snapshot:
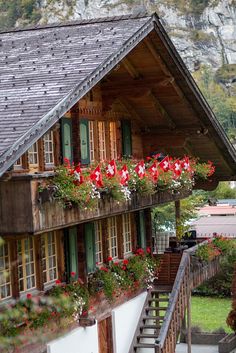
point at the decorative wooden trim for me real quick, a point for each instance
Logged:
(107, 140)
(25, 161)
(133, 231)
(95, 136)
(104, 239)
(57, 146)
(41, 161)
(59, 234)
(38, 263)
(14, 268)
(120, 239)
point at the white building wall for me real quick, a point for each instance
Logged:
(124, 320)
(80, 340)
(85, 340)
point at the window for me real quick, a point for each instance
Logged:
(26, 264)
(48, 148)
(49, 257)
(33, 154)
(113, 140)
(91, 141)
(5, 279)
(98, 242)
(112, 237)
(126, 230)
(102, 140)
(18, 164)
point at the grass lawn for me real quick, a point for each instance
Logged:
(210, 313)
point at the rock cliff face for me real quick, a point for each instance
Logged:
(204, 31)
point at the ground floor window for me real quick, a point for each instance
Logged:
(26, 264)
(49, 257)
(5, 279)
(112, 237)
(127, 234)
(98, 242)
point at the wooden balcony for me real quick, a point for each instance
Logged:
(23, 210)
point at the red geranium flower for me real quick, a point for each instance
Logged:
(104, 269)
(29, 296)
(148, 250)
(72, 274)
(125, 262)
(123, 268)
(109, 259)
(58, 281)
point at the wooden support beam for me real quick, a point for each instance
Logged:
(177, 216)
(161, 110)
(130, 109)
(141, 83)
(189, 316)
(130, 68)
(162, 65)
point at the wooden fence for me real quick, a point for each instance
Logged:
(191, 273)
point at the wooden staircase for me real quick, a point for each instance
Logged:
(151, 319)
(165, 306)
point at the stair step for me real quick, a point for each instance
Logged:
(144, 345)
(158, 300)
(147, 335)
(153, 317)
(154, 327)
(157, 308)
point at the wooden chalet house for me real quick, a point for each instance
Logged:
(91, 91)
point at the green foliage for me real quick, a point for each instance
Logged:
(225, 73)
(164, 215)
(223, 191)
(221, 284)
(220, 100)
(12, 10)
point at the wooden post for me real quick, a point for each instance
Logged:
(189, 312)
(177, 217)
(148, 226)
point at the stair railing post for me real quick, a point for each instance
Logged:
(189, 309)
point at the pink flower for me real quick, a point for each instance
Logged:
(80, 281)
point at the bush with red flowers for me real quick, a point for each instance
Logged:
(73, 185)
(124, 275)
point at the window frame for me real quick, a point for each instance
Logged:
(112, 236)
(102, 146)
(34, 153)
(50, 153)
(47, 258)
(127, 232)
(113, 139)
(24, 264)
(98, 242)
(6, 259)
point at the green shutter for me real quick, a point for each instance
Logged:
(90, 247)
(141, 229)
(73, 251)
(66, 139)
(84, 141)
(126, 138)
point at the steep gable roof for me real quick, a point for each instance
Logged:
(45, 71)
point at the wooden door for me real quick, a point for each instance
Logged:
(90, 247)
(66, 139)
(126, 138)
(105, 336)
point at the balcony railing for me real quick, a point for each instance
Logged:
(23, 210)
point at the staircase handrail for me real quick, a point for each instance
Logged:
(173, 299)
(184, 264)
